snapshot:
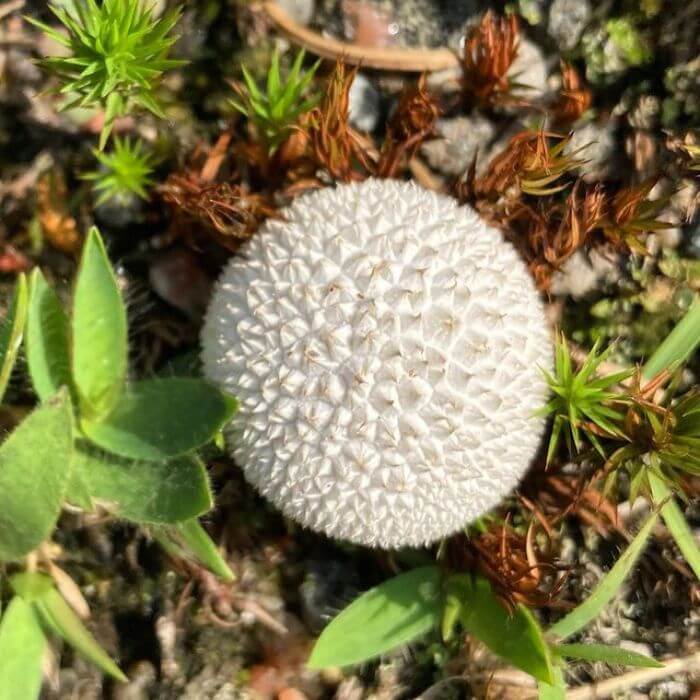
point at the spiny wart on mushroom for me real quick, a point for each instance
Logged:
(386, 346)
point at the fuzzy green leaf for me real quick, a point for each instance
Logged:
(47, 339)
(22, 645)
(189, 540)
(516, 637)
(607, 654)
(606, 589)
(11, 332)
(35, 465)
(99, 332)
(159, 419)
(394, 613)
(146, 492)
(58, 616)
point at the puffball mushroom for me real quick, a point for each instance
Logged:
(385, 345)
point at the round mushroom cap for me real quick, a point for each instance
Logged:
(386, 346)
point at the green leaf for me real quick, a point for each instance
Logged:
(99, 332)
(30, 585)
(146, 492)
(159, 419)
(607, 654)
(47, 341)
(22, 645)
(11, 332)
(387, 616)
(675, 521)
(35, 465)
(555, 690)
(189, 540)
(678, 345)
(606, 589)
(56, 614)
(516, 637)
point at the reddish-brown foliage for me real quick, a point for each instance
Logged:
(412, 122)
(528, 165)
(574, 97)
(489, 51)
(519, 569)
(334, 144)
(631, 214)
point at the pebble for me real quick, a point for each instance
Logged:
(601, 152)
(301, 11)
(567, 20)
(458, 140)
(581, 274)
(529, 69)
(365, 104)
(178, 278)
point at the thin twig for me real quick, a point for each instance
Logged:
(8, 7)
(634, 679)
(397, 59)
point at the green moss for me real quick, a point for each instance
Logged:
(629, 41)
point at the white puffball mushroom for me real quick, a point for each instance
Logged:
(385, 345)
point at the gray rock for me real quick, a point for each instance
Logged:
(582, 274)
(601, 151)
(301, 11)
(365, 104)
(567, 20)
(529, 69)
(458, 141)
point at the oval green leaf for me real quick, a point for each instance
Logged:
(605, 591)
(516, 637)
(145, 492)
(47, 342)
(22, 645)
(388, 616)
(11, 332)
(607, 654)
(30, 585)
(159, 419)
(59, 617)
(99, 332)
(35, 465)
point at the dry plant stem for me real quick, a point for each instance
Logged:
(425, 176)
(634, 679)
(7, 7)
(398, 59)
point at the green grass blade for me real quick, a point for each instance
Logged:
(675, 521)
(587, 611)
(678, 345)
(607, 654)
